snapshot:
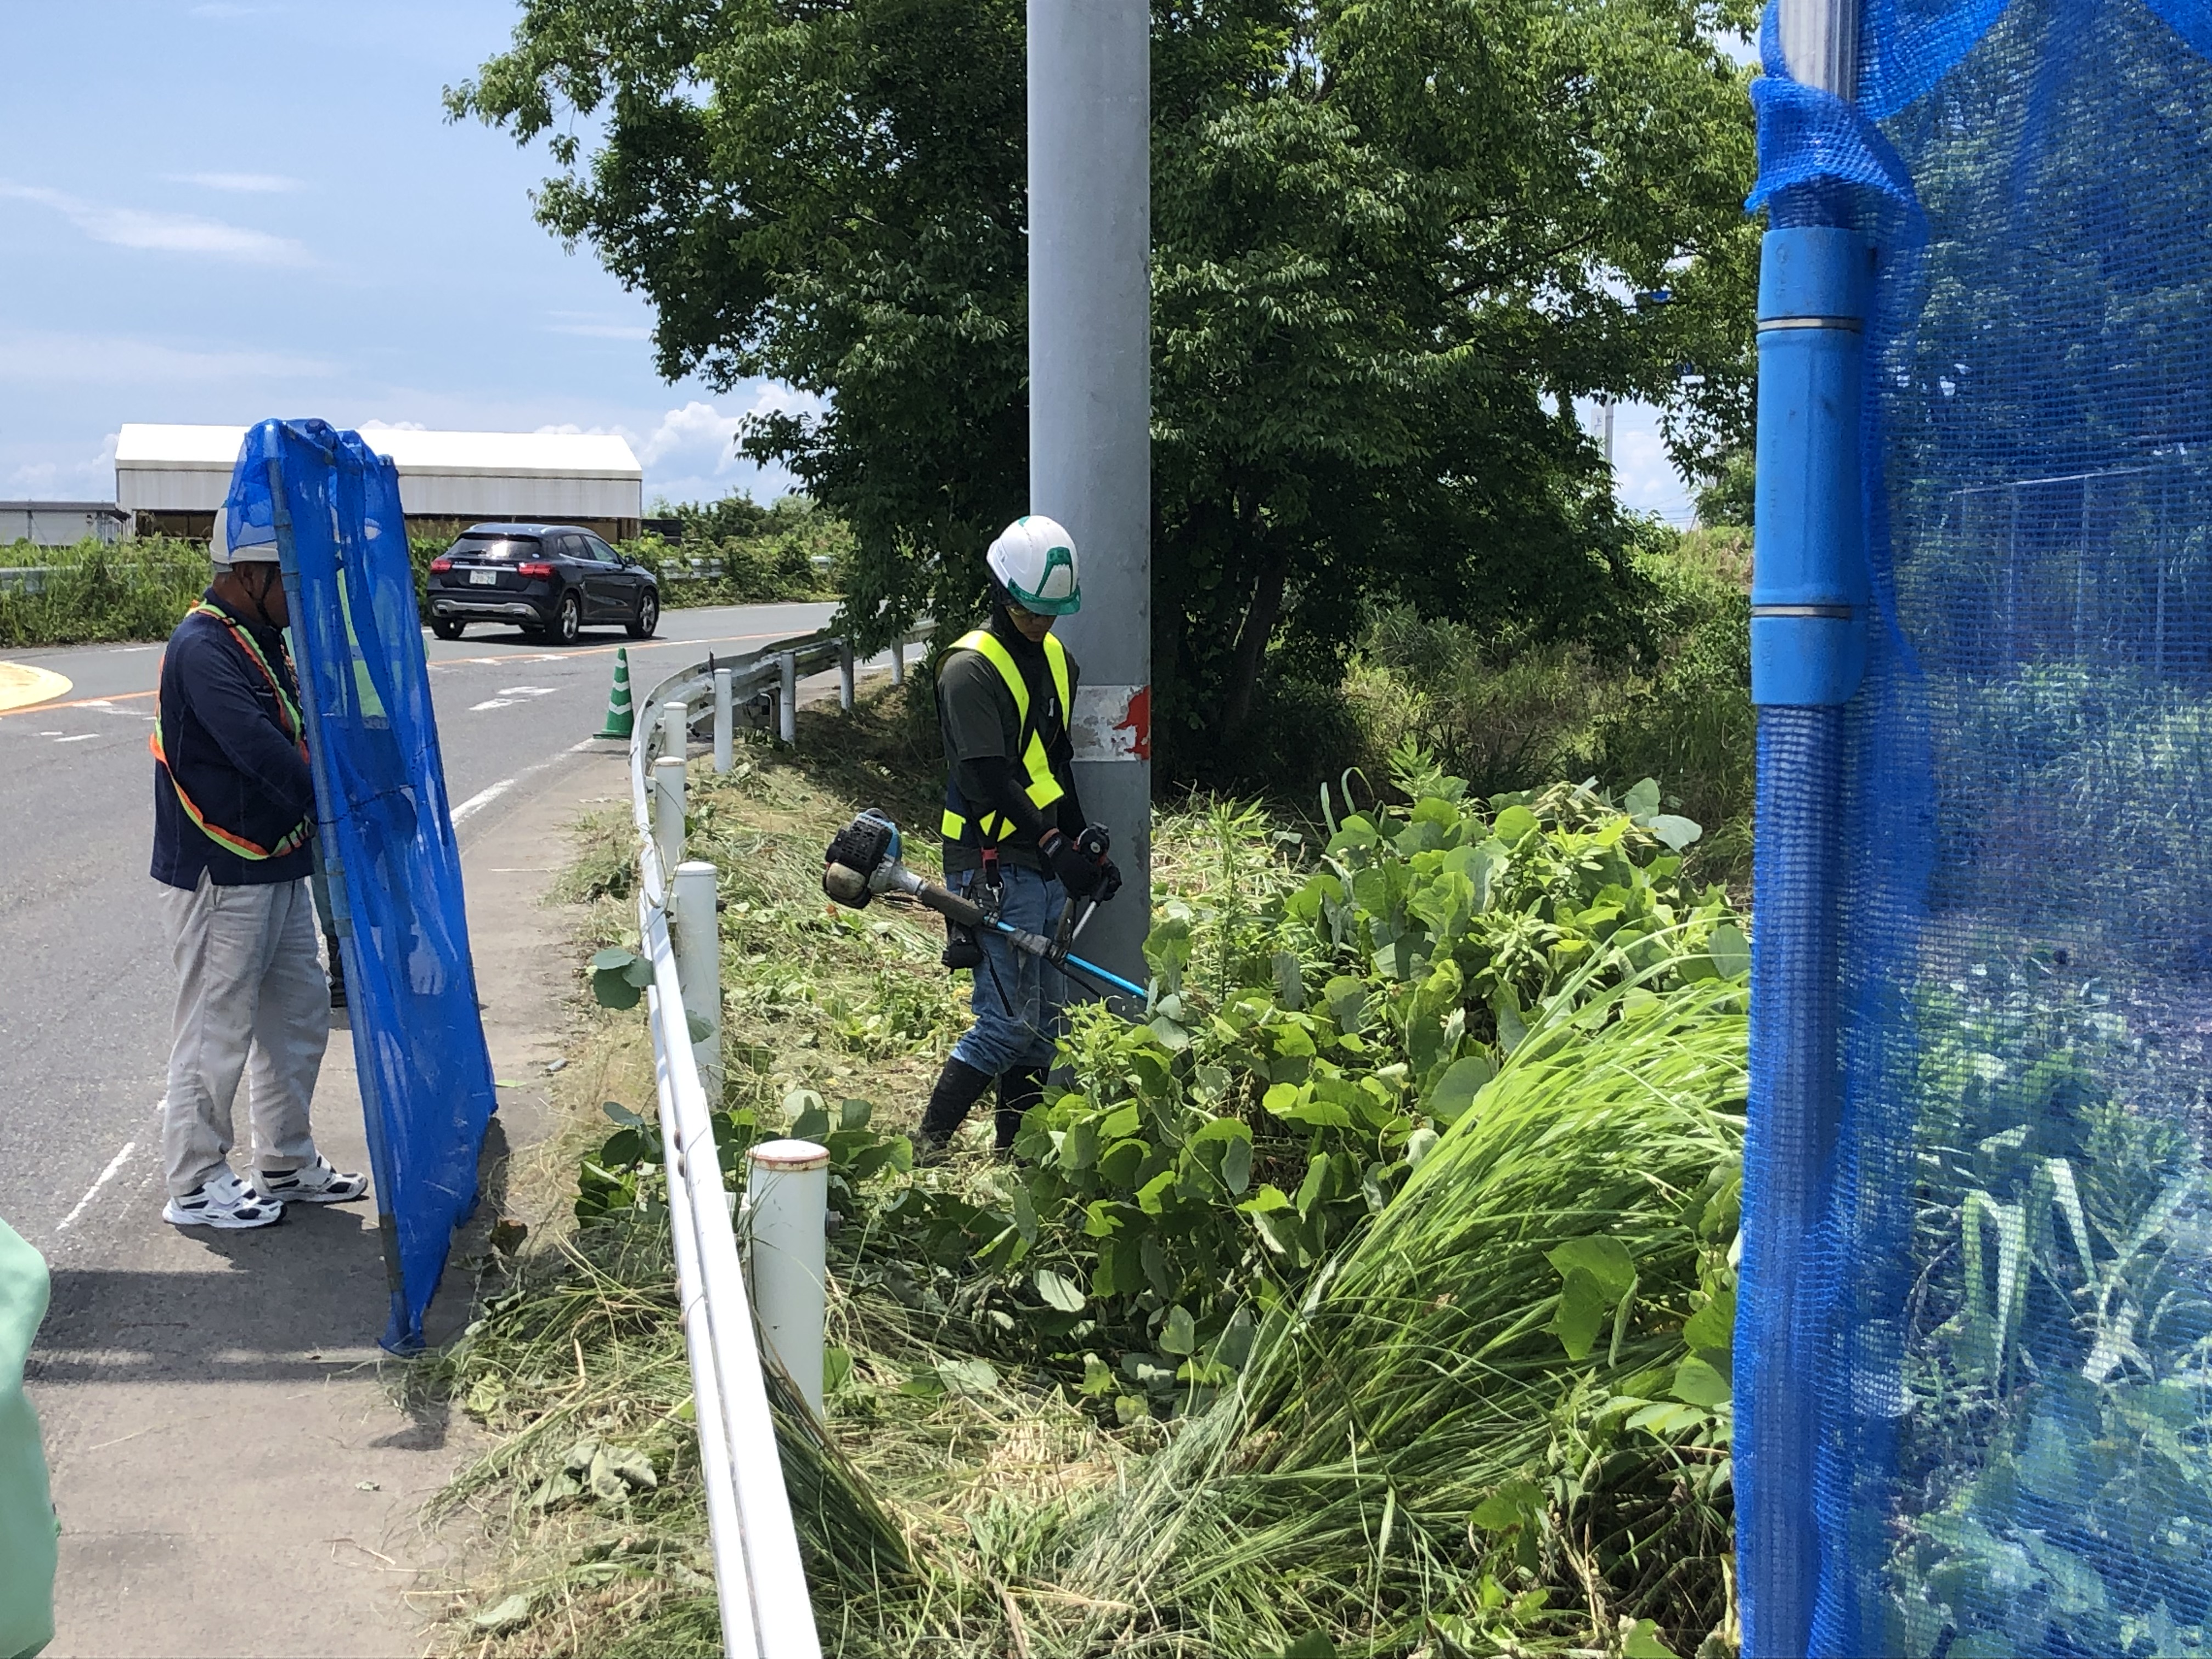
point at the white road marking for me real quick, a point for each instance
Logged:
(491, 702)
(114, 1167)
(526, 690)
(82, 737)
(482, 798)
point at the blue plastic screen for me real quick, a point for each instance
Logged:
(386, 834)
(1990, 1304)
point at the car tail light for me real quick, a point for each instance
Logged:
(533, 570)
(441, 563)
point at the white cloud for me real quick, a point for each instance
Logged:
(241, 183)
(592, 326)
(391, 426)
(167, 232)
(703, 436)
(1644, 476)
(88, 358)
(691, 453)
(88, 480)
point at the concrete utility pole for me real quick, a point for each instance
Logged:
(1090, 121)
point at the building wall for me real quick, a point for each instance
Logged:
(58, 524)
(182, 499)
(200, 526)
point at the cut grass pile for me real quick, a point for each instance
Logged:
(1495, 1421)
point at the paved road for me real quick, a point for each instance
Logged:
(85, 987)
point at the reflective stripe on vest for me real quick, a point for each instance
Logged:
(288, 717)
(1043, 788)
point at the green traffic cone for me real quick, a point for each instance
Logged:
(619, 716)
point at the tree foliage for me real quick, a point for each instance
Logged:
(1393, 241)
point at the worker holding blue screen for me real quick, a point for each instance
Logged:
(234, 810)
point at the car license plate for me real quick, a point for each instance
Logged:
(483, 578)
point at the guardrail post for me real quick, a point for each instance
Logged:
(898, 662)
(699, 967)
(845, 675)
(724, 717)
(787, 709)
(786, 1208)
(668, 816)
(676, 729)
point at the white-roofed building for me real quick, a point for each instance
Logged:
(172, 478)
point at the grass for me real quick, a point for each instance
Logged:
(584, 1346)
(963, 1503)
(95, 592)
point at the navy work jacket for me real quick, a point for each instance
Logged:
(222, 732)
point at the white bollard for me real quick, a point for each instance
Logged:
(845, 675)
(724, 718)
(668, 817)
(698, 942)
(676, 729)
(787, 1208)
(787, 706)
(898, 662)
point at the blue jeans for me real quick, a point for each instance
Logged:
(1017, 996)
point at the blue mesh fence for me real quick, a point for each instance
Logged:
(386, 835)
(1975, 1355)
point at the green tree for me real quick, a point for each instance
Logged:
(1393, 242)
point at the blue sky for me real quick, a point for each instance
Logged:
(219, 212)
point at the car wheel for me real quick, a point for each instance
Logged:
(446, 630)
(569, 620)
(648, 616)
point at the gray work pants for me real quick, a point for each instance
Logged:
(251, 1002)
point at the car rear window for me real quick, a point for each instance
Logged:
(505, 549)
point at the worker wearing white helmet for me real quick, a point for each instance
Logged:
(234, 810)
(1015, 837)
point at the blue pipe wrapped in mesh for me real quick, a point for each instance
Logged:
(386, 836)
(1975, 1336)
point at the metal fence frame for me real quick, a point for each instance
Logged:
(765, 1610)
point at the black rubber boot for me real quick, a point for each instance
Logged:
(1017, 1092)
(959, 1086)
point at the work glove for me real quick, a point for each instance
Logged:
(1092, 844)
(1078, 872)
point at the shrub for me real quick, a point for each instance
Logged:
(95, 591)
(1310, 1035)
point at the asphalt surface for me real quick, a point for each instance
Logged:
(85, 985)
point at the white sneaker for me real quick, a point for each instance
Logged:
(317, 1183)
(223, 1200)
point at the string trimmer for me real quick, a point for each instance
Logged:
(863, 861)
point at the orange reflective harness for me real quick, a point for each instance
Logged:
(287, 716)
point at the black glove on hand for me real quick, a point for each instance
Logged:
(1109, 879)
(1079, 875)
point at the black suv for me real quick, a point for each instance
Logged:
(552, 578)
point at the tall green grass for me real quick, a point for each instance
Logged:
(97, 591)
(1412, 1455)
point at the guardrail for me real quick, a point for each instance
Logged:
(765, 1610)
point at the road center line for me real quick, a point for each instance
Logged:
(114, 1167)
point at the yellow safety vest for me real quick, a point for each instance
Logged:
(1044, 789)
(288, 718)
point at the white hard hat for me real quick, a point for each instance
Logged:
(253, 552)
(1034, 560)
